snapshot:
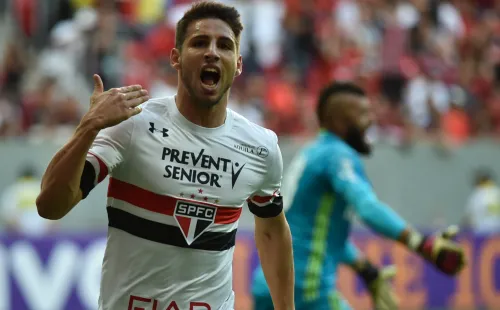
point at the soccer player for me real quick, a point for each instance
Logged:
(330, 187)
(180, 168)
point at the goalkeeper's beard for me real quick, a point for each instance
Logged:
(357, 140)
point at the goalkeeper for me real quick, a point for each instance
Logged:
(327, 185)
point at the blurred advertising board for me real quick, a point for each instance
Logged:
(63, 272)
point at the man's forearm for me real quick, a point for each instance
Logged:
(274, 244)
(61, 181)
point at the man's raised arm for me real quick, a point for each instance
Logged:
(61, 182)
(347, 177)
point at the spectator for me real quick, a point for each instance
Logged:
(165, 83)
(251, 101)
(482, 213)
(18, 208)
(406, 53)
(455, 122)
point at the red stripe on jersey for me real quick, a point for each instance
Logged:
(103, 169)
(163, 204)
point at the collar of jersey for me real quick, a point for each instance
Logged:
(184, 122)
(328, 135)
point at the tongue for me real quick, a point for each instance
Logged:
(208, 79)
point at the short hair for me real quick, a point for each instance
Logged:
(208, 9)
(333, 89)
(482, 175)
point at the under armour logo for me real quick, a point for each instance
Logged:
(152, 129)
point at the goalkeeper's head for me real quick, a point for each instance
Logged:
(344, 109)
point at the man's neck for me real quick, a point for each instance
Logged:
(211, 117)
(324, 130)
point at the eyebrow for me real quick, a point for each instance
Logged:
(204, 36)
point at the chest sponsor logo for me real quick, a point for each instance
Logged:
(193, 219)
(199, 168)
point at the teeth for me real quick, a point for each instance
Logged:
(211, 70)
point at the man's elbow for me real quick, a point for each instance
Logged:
(46, 208)
(367, 210)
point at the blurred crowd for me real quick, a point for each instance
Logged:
(431, 67)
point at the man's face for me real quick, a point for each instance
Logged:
(208, 61)
(359, 119)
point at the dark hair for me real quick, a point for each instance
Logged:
(335, 88)
(482, 175)
(208, 9)
(27, 171)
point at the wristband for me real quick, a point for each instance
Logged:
(367, 272)
(415, 240)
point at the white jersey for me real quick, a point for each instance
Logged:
(175, 195)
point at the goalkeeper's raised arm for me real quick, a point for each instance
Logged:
(347, 176)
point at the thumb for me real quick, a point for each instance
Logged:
(98, 86)
(450, 232)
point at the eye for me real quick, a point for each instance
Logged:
(225, 45)
(198, 43)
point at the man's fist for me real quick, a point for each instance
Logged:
(381, 291)
(377, 282)
(446, 254)
(109, 108)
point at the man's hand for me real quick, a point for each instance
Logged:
(109, 108)
(446, 254)
(381, 291)
(377, 282)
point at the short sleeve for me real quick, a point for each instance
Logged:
(267, 201)
(109, 149)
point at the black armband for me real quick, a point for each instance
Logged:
(87, 180)
(272, 210)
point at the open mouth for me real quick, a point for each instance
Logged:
(210, 77)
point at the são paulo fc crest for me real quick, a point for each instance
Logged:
(193, 219)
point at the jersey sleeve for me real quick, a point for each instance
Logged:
(350, 254)
(267, 201)
(346, 175)
(107, 151)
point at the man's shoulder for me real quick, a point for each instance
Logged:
(334, 149)
(249, 131)
(158, 105)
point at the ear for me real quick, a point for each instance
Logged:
(175, 59)
(239, 66)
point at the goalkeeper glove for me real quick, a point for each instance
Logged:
(439, 249)
(377, 283)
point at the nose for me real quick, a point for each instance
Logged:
(211, 54)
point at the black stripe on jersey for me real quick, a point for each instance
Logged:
(272, 210)
(167, 234)
(87, 179)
